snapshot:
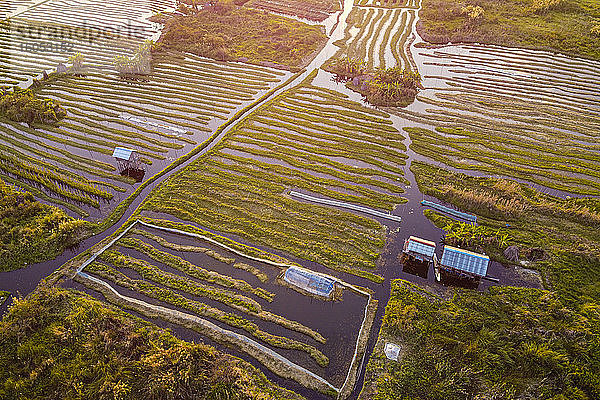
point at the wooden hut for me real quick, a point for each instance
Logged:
(129, 163)
(417, 256)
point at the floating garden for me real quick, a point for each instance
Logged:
(308, 139)
(31, 231)
(312, 10)
(520, 119)
(567, 26)
(190, 277)
(379, 37)
(72, 161)
(225, 31)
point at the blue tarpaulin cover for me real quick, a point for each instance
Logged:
(313, 283)
(464, 260)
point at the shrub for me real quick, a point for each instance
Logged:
(30, 231)
(392, 87)
(473, 12)
(22, 105)
(139, 63)
(542, 6)
(347, 68)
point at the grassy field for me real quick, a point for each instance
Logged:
(228, 32)
(508, 342)
(307, 139)
(32, 232)
(59, 341)
(565, 26)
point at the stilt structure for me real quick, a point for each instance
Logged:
(417, 256)
(129, 163)
(461, 264)
(418, 249)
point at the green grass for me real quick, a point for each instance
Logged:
(4, 295)
(171, 297)
(552, 166)
(239, 187)
(193, 270)
(508, 343)
(566, 230)
(59, 341)
(32, 232)
(316, 10)
(229, 32)
(152, 273)
(566, 29)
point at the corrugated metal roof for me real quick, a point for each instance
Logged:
(420, 246)
(465, 260)
(123, 153)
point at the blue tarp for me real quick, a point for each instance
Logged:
(450, 211)
(313, 283)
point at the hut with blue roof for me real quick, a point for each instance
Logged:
(462, 264)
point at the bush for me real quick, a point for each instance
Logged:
(30, 231)
(392, 87)
(139, 63)
(22, 105)
(347, 68)
(473, 12)
(543, 6)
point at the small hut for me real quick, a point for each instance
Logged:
(462, 264)
(417, 249)
(128, 162)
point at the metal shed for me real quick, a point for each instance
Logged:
(309, 281)
(419, 249)
(464, 262)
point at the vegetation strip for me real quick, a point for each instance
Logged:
(276, 363)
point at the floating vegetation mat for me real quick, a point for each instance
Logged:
(313, 10)
(414, 4)
(517, 113)
(308, 139)
(70, 164)
(379, 36)
(73, 161)
(49, 32)
(197, 276)
(8, 8)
